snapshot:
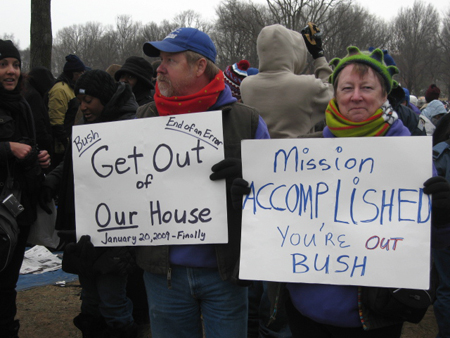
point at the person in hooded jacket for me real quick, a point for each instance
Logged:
(38, 82)
(106, 311)
(291, 104)
(19, 157)
(137, 72)
(431, 115)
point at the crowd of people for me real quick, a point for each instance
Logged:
(194, 290)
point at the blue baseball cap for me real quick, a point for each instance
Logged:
(181, 40)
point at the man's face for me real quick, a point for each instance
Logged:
(175, 75)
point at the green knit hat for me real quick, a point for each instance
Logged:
(375, 60)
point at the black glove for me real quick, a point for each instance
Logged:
(313, 40)
(71, 259)
(59, 133)
(439, 188)
(239, 188)
(118, 260)
(229, 168)
(44, 198)
(79, 258)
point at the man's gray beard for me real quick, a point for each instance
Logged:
(165, 92)
(168, 92)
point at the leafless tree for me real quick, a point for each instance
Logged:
(193, 19)
(40, 34)
(129, 37)
(444, 46)
(414, 44)
(412, 38)
(92, 33)
(352, 25)
(69, 40)
(106, 51)
(153, 32)
(236, 31)
(294, 14)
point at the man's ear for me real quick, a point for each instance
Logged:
(201, 66)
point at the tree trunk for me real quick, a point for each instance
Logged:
(40, 34)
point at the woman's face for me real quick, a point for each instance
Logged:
(9, 73)
(128, 78)
(359, 97)
(90, 106)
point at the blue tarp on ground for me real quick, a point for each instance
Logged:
(34, 280)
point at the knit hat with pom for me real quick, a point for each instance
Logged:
(234, 75)
(432, 93)
(375, 60)
(73, 64)
(96, 83)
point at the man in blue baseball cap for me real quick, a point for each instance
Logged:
(204, 278)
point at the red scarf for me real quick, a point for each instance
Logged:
(198, 102)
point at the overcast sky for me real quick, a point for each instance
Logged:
(15, 18)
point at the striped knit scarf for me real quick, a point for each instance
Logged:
(376, 125)
(196, 103)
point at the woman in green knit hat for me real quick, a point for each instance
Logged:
(360, 108)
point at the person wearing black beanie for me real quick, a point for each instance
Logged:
(106, 311)
(137, 72)
(21, 160)
(62, 105)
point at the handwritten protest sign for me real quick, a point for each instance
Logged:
(146, 181)
(348, 211)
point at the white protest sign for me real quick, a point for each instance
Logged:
(146, 181)
(348, 211)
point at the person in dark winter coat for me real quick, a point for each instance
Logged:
(20, 157)
(409, 118)
(62, 105)
(105, 308)
(38, 82)
(441, 255)
(137, 72)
